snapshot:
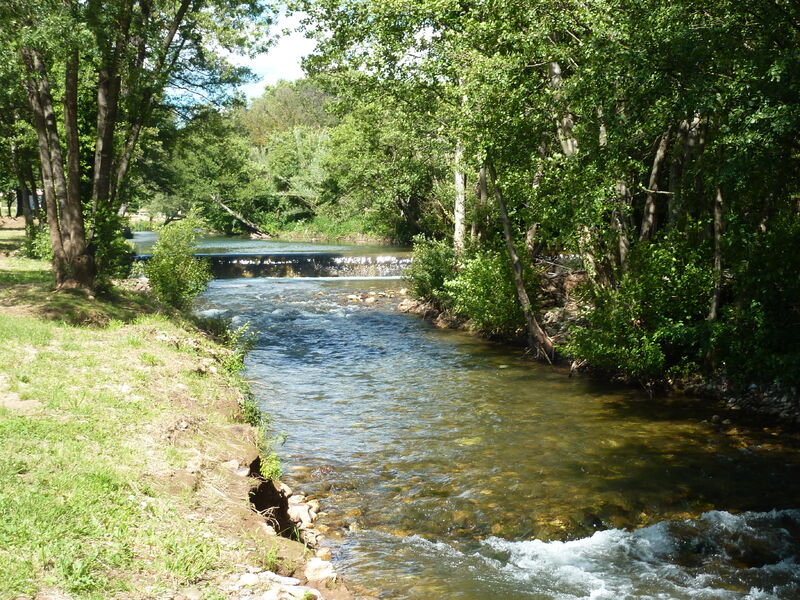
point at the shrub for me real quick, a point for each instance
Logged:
(176, 276)
(654, 324)
(484, 292)
(37, 243)
(431, 267)
(758, 337)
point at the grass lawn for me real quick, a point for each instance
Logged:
(120, 455)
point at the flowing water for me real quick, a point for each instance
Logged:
(450, 467)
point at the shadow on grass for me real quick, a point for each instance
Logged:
(31, 292)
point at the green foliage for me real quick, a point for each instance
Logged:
(37, 244)
(654, 323)
(176, 276)
(431, 267)
(484, 292)
(758, 337)
(270, 466)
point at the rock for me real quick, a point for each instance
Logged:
(280, 579)
(300, 513)
(370, 300)
(324, 554)
(248, 579)
(299, 592)
(313, 504)
(406, 305)
(193, 594)
(285, 490)
(297, 499)
(319, 570)
(270, 595)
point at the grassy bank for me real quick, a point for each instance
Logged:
(124, 465)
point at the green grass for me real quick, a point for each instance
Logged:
(83, 411)
(11, 238)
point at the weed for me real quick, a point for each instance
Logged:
(270, 561)
(149, 360)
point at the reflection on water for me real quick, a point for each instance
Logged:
(450, 467)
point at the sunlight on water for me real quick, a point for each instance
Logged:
(449, 467)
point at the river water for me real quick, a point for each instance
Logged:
(450, 467)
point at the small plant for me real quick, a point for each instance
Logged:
(271, 558)
(176, 276)
(270, 466)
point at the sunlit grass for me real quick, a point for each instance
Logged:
(81, 509)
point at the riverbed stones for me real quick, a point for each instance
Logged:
(319, 570)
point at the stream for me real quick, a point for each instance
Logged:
(451, 467)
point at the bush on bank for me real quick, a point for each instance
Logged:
(176, 276)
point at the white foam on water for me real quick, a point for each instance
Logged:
(703, 559)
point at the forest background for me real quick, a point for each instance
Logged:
(653, 145)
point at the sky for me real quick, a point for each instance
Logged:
(282, 61)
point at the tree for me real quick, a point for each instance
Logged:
(131, 50)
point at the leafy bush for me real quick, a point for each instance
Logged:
(37, 243)
(484, 291)
(176, 276)
(654, 324)
(432, 265)
(758, 337)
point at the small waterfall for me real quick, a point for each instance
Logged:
(304, 264)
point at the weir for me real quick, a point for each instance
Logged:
(303, 264)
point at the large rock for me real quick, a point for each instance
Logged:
(319, 570)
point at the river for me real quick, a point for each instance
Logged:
(451, 467)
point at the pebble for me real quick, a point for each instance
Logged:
(248, 579)
(324, 553)
(275, 578)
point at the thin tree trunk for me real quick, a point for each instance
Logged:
(618, 222)
(145, 104)
(564, 123)
(676, 166)
(248, 224)
(23, 194)
(460, 180)
(718, 230)
(71, 129)
(537, 338)
(481, 201)
(649, 216)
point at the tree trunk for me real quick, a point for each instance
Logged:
(23, 193)
(620, 226)
(676, 166)
(145, 105)
(460, 180)
(537, 338)
(565, 122)
(482, 200)
(649, 216)
(72, 262)
(249, 225)
(718, 230)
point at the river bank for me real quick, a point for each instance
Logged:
(127, 467)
